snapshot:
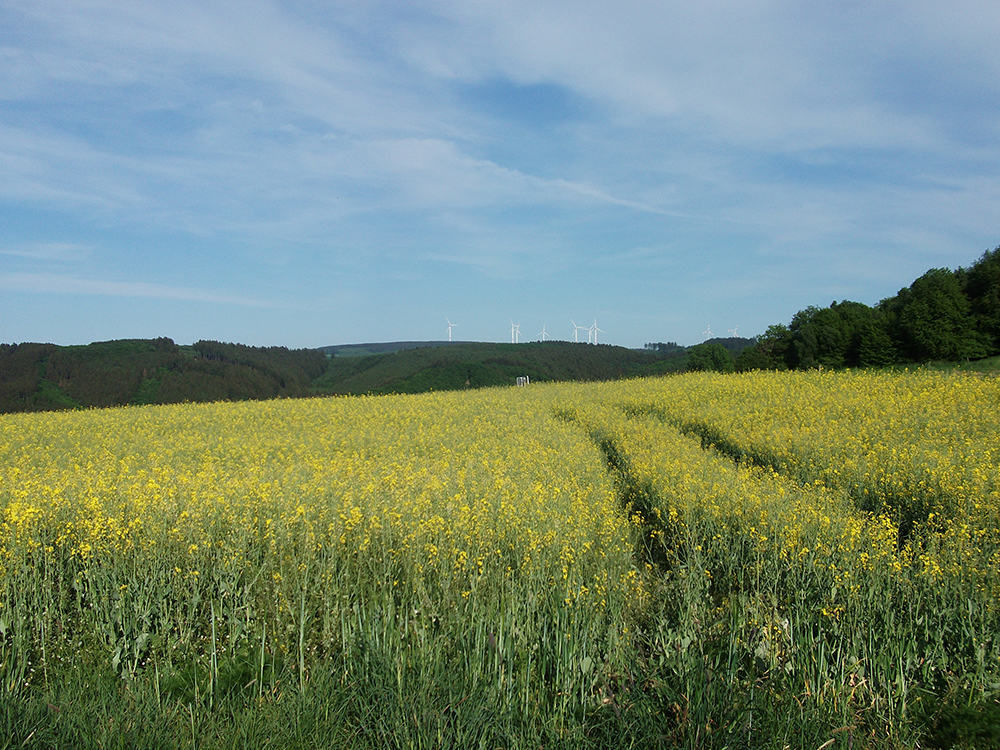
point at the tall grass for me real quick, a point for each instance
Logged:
(435, 565)
(555, 566)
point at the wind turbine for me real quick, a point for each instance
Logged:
(576, 331)
(734, 330)
(515, 332)
(594, 329)
(543, 334)
(450, 326)
(707, 333)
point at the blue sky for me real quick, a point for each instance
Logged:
(303, 174)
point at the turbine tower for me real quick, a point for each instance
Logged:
(515, 332)
(576, 331)
(594, 329)
(543, 334)
(450, 326)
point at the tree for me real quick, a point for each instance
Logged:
(817, 339)
(663, 349)
(711, 358)
(982, 287)
(774, 345)
(830, 336)
(936, 320)
(876, 348)
(855, 319)
(753, 358)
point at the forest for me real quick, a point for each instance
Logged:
(43, 377)
(944, 315)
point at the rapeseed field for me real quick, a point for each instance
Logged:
(762, 560)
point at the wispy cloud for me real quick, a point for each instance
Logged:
(47, 283)
(50, 251)
(279, 146)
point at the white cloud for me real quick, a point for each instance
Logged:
(811, 135)
(50, 251)
(49, 283)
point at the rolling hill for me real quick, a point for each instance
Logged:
(466, 365)
(43, 377)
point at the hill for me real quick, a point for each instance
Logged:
(43, 377)
(466, 365)
(362, 350)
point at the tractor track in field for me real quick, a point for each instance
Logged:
(636, 497)
(906, 509)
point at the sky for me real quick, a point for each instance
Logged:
(306, 174)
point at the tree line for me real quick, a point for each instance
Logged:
(37, 377)
(944, 315)
(478, 365)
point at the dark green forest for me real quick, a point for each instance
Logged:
(37, 377)
(944, 316)
(467, 365)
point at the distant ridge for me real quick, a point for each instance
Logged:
(45, 377)
(459, 365)
(361, 350)
(734, 344)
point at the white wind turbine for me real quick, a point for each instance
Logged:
(734, 330)
(576, 331)
(543, 334)
(594, 329)
(450, 326)
(707, 333)
(515, 332)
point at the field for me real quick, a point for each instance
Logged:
(762, 560)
